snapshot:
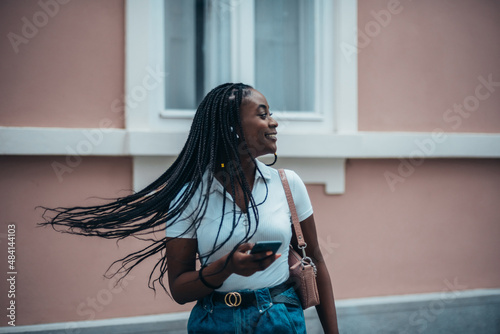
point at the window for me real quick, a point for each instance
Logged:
(285, 52)
(287, 49)
(280, 49)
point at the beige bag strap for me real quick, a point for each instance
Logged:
(295, 219)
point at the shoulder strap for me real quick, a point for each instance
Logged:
(293, 211)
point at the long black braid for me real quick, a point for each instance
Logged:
(212, 141)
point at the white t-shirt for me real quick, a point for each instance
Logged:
(274, 224)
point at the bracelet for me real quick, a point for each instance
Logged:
(208, 285)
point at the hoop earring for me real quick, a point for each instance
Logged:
(275, 159)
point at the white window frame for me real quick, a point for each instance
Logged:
(153, 133)
(335, 77)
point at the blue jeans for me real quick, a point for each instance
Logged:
(279, 314)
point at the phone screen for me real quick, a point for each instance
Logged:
(265, 246)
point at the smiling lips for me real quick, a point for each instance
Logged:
(272, 136)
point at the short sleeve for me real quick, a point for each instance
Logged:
(300, 195)
(182, 227)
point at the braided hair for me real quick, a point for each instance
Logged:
(212, 141)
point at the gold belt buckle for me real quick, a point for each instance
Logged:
(232, 299)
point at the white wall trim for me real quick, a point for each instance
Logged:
(101, 325)
(63, 141)
(330, 172)
(327, 171)
(120, 142)
(140, 16)
(457, 311)
(318, 158)
(345, 74)
(351, 304)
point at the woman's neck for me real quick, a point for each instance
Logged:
(248, 166)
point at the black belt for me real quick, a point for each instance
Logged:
(247, 298)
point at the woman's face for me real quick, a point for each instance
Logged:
(258, 126)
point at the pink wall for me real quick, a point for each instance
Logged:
(441, 224)
(425, 59)
(59, 275)
(68, 72)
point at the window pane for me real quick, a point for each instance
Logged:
(217, 43)
(284, 53)
(197, 50)
(180, 54)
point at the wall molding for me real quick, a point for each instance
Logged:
(453, 311)
(330, 172)
(318, 158)
(120, 142)
(63, 141)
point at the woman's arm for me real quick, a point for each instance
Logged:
(326, 309)
(184, 282)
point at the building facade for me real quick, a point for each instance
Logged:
(403, 170)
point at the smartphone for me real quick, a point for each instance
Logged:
(265, 246)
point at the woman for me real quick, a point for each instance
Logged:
(217, 200)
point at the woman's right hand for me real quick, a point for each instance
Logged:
(245, 264)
